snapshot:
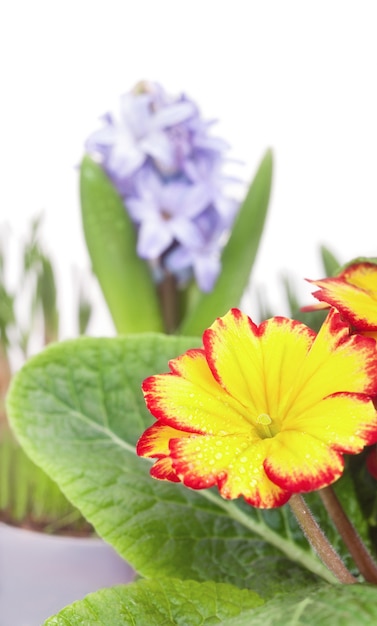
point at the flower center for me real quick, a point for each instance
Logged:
(166, 216)
(264, 421)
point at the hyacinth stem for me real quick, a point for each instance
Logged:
(318, 541)
(168, 296)
(347, 531)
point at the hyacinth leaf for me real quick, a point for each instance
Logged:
(330, 263)
(152, 602)
(77, 409)
(110, 236)
(238, 255)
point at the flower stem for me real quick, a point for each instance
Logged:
(167, 292)
(318, 540)
(355, 545)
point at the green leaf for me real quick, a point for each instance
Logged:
(238, 255)
(344, 605)
(330, 263)
(47, 296)
(365, 489)
(78, 410)
(29, 496)
(159, 603)
(313, 319)
(124, 278)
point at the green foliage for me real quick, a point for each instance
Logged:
(186, 603)
(85, 310)
(159, 603)
(46, 294)
(346, 605)
(330, 263)
(7, 317)
(313, 319)
(238, 255)
(365, 489)
(125, 279)
(31, 498)
(29, 310)
(77, 409)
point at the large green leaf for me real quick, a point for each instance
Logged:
(238, 255)
(159, 603)
(110, 236)
(187, 603)
(347, 605)
(77, 409)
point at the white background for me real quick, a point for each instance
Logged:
(296, 76)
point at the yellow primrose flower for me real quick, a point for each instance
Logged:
(263, 411)
(354, 294)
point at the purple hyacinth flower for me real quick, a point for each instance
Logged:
(165, 213)
(168, 168)
(207, 168)
(203, 261)
(202, 258)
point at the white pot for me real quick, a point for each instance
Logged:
(40, 574)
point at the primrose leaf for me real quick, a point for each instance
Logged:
(342, 605)
(159, 603)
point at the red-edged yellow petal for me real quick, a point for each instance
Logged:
(363, 275)
(232, 463)
(249, 479)
(346, 422)
(163, 470)
(257, 365)
(317, 306)
(229, 343)
(195, 404)
(353, 293)
(201, 461)
(298, 462)
(154, 442)
(337, 362)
